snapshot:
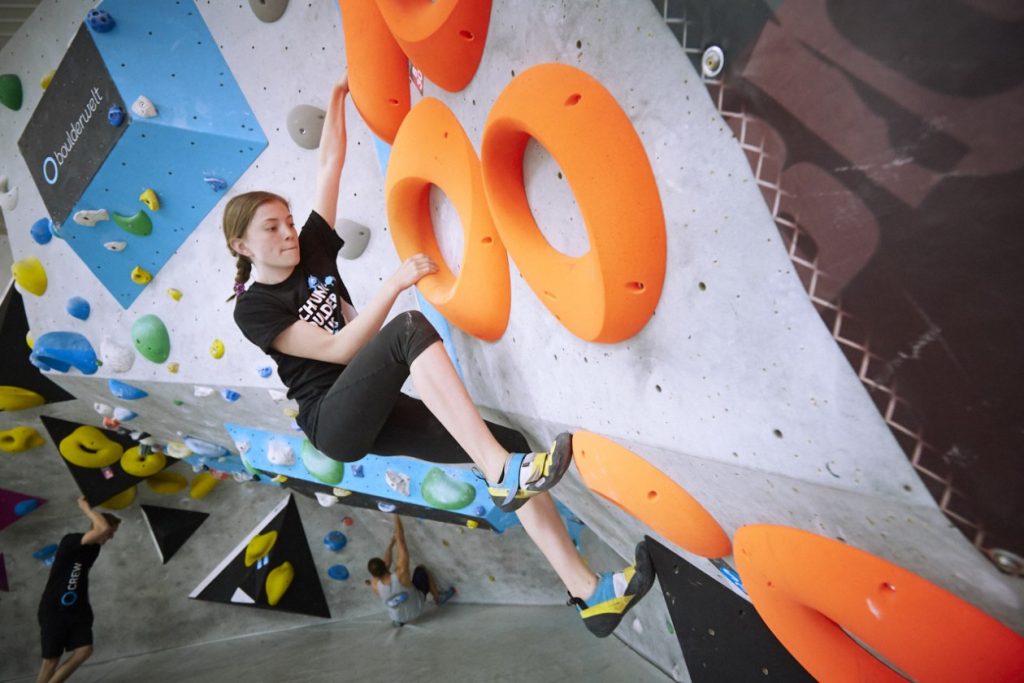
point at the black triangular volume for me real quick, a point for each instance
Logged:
(17, 370)
(235, 584)
(721, 635)
(97, 484)
(170, 528)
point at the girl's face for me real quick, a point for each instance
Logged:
(270, 241)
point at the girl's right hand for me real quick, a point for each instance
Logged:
(414, 269)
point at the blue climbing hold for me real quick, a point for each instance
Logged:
(335, 540)
(61, 351)
(200, 447)
(77, 307)
(26, 506)
(229, 395)
(266, 371)
(41, 231)
(124, 415)
(386, 507)
(100, 21)
(46, 552)
(125, 392)
(115, 115)
(216, 184)
(357, 470)
(479, 511)
(338, 572)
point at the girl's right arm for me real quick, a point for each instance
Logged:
(306, 340)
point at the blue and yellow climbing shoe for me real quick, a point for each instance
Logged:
(527, 474)
(616, 593)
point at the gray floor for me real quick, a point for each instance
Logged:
(453, 644)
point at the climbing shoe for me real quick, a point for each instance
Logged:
(527, 474)
(616, 593)
(445, 595)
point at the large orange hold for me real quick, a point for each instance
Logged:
(624, 478)
(378, 70)
(445, 38)
(608, 294)
(432, 148)
(809, 588)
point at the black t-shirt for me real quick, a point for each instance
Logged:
(67, 589)
(310, 293)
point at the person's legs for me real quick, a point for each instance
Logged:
(542, 522)
(46, 670)
(78, 655)
(424, 581)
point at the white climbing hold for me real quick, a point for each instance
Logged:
(115, 246)
(124, 415)
(177, 449)
(116, 357)
(202, 392)
(397, 481)
(325, 499)
(242, 477)
(637, 626)
(143, 107)
(103, 409)
(91, 217)
(280, 453)
(9, 199)
(277, 395)
(243, 446)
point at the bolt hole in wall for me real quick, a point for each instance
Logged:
(447, 228)
(553, 204)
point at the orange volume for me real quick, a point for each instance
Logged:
(608, 294)
(445, 39)
(378, 71)
(622, 477)
(809, 588)
(432, 148)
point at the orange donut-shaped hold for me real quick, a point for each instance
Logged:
(432, 148)
(808, 588)
(445, 39)
(378, 70)
(624, 478)
(609, 293)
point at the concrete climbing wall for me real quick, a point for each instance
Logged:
(734, 388)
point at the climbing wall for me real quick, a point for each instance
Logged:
(732, 388)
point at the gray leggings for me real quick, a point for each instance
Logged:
(365, 411)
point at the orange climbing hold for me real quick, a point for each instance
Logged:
(609, 293)
(432, 148)
(378, 70)
(809, 589)
(445, 39)
(624, 478)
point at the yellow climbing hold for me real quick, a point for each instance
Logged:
(121, 500)
(217, 348)
(137, 464)
(20, 439)
(89, 447)
(177, 449)
(202, 484)
(174, 293)
(30, 340)
(280, 479)
(16, 398)
(341, 493)
(258, 547)
(472, 523)
(173, 368)
(149, 198)
(278, 581)
(44, 82)
(141, 276)
(167, 483)
(290, 412)
(30, 275)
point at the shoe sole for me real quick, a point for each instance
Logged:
(564, 442)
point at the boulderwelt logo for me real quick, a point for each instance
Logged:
(53, 163)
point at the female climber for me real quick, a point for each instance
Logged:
(346, 369)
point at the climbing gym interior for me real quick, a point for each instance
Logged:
(760, 258)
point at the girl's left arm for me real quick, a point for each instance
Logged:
(332, 154)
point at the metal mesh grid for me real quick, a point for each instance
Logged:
(765, 153)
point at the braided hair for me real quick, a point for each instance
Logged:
(237, 215)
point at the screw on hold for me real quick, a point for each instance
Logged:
(712, 62)
(1007, 562)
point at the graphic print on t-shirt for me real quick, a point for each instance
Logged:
(321, 305)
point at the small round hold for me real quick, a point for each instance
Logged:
(338, 572)
(103, 409)
(357, 471)
(100, 21)
(115, 115)
(305, 125)
(77, 307)
(217, 349)
(356, 236)
(115, 246)
(335, 540)
(386, 507)
(141, 276)
(144, 107)
(472, 523)
(347, 521)
(712, 62)
(229, 395)
(174, 293)
(124, 414)
(265, 371)
(41, 231)
(173, 368)
(216, 184)
(479, 511)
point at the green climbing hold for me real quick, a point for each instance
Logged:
(149, 334)
(137, 224)
(10, 91)
(320, 466)
(443, 492)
